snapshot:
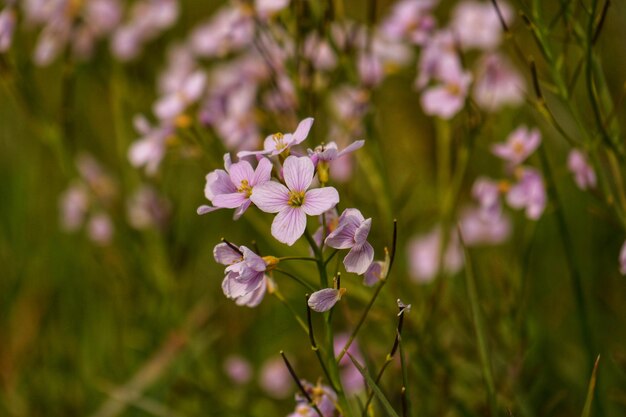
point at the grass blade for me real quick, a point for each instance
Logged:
(591, 389)
(370, 382)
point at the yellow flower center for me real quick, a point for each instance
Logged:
(296, 198)
(454, 89)
(504, 186)
(278, 139)
(245, 188)
(518, 148)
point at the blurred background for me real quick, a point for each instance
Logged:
(125, 315)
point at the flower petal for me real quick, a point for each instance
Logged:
(218, 182)
(241, 209)
(254, 298)
(270, 197)
(302, 131)
(232, 200)
(241, 171)
(204, 209)
(262, 173)
(324, 300)
(373, 274)
(351, 148)
(298, 172)
(362, 231)
(359, 258)
(226, 255)
(318, 200)
(289, 225)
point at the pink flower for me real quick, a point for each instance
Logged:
(100, 228)
(325, 299)
(584, 175)
(477, 25)
(410, 20)
(329, 151)
(277, 143)
(148, 151)
(274, 378)
(519, 145)
(497, 83)
(425, 253)
(177, 101)
(293, 202)
(487, 193)
(238, 369)
(267, 8)
(529, 194)
(479, 229)
(245, 274)
(233, 187)
(375, 273)
(351, 378)
(322, 396)
(7, 26)
(447, 99)
(351, 233)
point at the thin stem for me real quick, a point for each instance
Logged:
(300, 386)
(297, 258)
(330, 257)
(297, 279)
(295, 314)
(314, 346)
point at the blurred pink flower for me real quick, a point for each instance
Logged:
(477, 25)
(498, 83)
(584, 175)
(478, 229)
(529, 193)
(447, 99)
(424, 252)
(238, 369)
(148, 151)
(176, 102)
(146, 209)
(487, 192)
(274, 378)
(100, 228)
(520, 144)
(73, 206)
(321, 395)
(410, 20)
(8, 18)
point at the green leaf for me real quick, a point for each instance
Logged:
(591, 390)
(370, 382)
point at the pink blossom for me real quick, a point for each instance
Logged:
(375, 273)
(319, 52)
(584, 175)
(497, 84)
(529, 193)
(439, 59)
(293, 202)
(519, 145)
(274, 378)
(233, 187)
(329, 151)
(148, 151)
(175, 103)
(448, 98)
(230, 29)
(477, 25)
(238, 369)
(8, 19)
(73, 206)
(424, 254)
(322, 396)
(487, 193)
(351, 233)
(478, 229)
(245, 273)
(267, 8)
(410, 20)
(146, 209)
(325, 299)
(278, 143)
(351, 378)
(100, 228)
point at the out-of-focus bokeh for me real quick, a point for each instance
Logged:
(110, 299)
